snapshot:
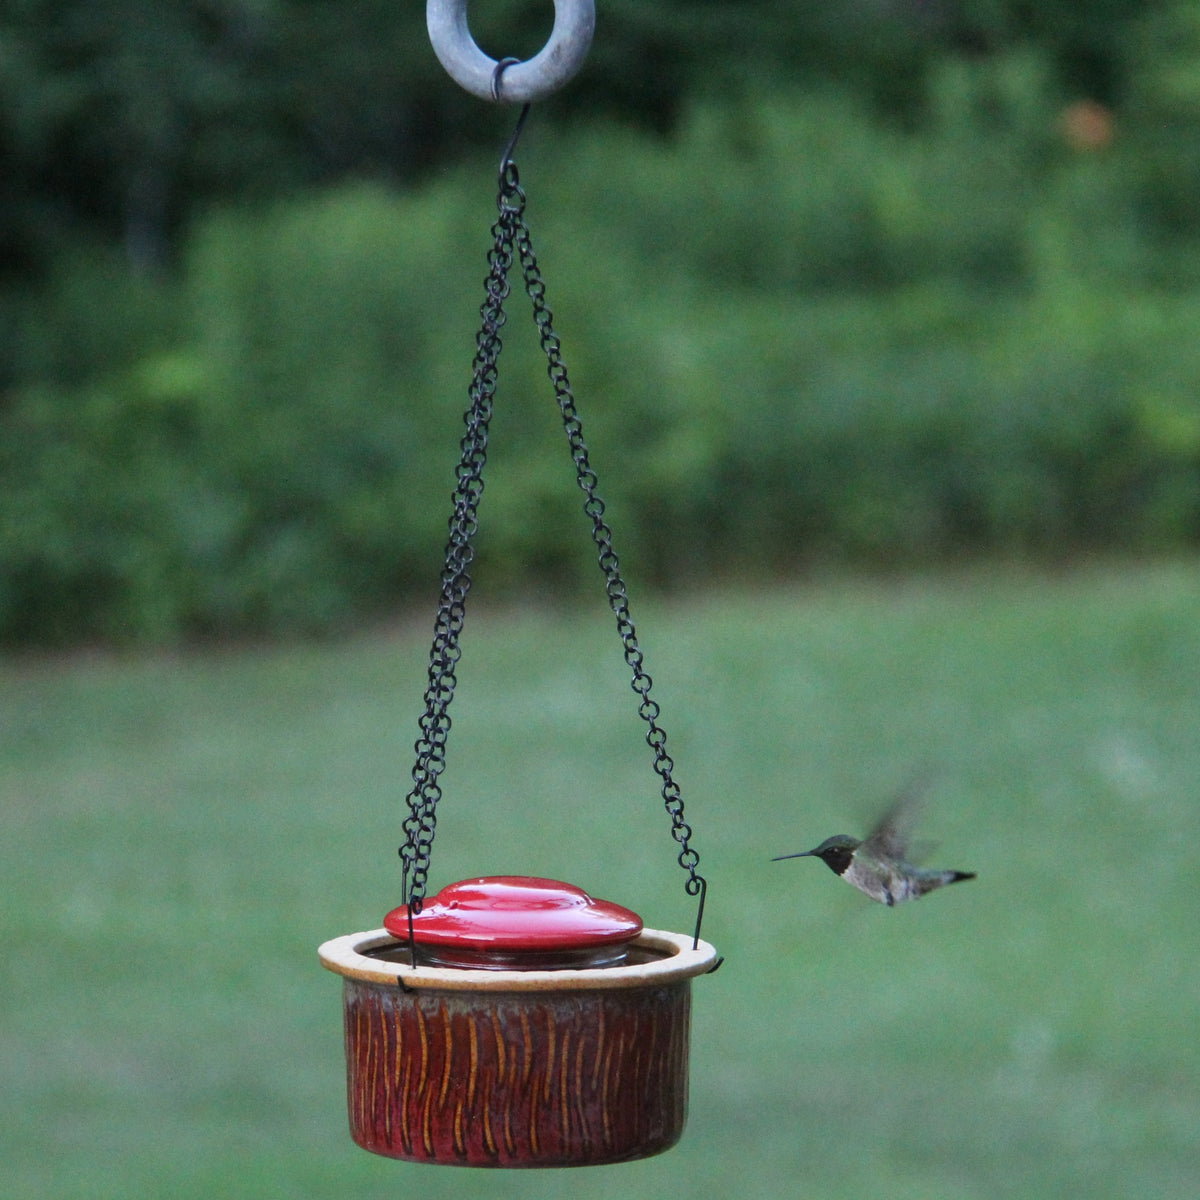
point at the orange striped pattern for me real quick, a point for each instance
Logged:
(517, 1079)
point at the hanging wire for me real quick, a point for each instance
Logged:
(512, 241)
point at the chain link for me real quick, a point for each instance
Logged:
(421, 823)
(614, 584)
(512, 242)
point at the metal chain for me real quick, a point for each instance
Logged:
(614, 585)
(421, 823)
(511, 240)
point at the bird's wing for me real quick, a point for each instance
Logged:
(892, 836)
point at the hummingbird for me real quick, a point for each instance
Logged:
(878, 865)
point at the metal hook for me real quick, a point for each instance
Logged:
(559, 59)
(703, 890)
(506, 159)
(501, 67)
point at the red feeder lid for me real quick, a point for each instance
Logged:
(515, 913)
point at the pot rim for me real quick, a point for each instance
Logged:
(347, 956)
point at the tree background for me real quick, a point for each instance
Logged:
(876, 282)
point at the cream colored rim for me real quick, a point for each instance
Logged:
(346, 956)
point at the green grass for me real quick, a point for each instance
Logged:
(177, 834)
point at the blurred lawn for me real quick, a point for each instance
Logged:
(179, 833)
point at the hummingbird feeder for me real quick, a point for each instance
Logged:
(513, 1021)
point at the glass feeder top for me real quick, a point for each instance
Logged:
(516, 912)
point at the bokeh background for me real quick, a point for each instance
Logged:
(884, 321)
(886, 283)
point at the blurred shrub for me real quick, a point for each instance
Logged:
(797, 334)
(259, 478)
(1163, 110)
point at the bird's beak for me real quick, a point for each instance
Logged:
(799, 854)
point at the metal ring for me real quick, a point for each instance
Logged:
(518, 82)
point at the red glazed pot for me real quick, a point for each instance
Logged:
(511, 1065)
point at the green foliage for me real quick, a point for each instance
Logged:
(121, 119)
(124, 119)
(800, 330)
(257, 478)
(809, 337)
(1164, 103)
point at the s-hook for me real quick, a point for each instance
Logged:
(516, 82)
